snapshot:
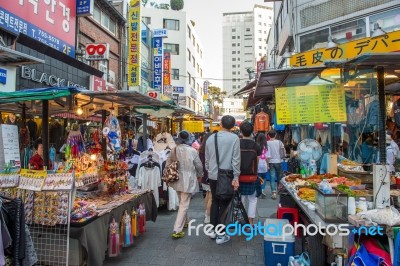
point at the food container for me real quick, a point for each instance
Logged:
(332, 208)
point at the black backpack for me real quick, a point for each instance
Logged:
(248, 163)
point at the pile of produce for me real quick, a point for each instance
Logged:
(306, 193)
(352, 192)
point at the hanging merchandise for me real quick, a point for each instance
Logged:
(134, 223)
(32, 179)
(112, 132)
(9, 177)
(113, 241)
(75, 145)
(126, 230)
(142, 218)
(58, 181)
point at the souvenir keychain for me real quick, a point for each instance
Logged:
(134, 223)
(126, 232)
(113, 241)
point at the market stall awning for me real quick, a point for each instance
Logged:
(181, 110)
(11, 57)
(246, 89)
(37, 94)
(251, 101)
(76, 117)
(390, 61)
(271, 79)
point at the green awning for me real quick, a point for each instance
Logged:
(37, 94)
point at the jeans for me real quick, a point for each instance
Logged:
(276, 174)
(271, 181)
(217, 206)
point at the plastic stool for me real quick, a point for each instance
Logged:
(292, 214)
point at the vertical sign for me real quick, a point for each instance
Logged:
(205, 87)
(134, 44)
(167, 68)
(158, 66)
(261, 65)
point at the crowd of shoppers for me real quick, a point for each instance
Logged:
(198, 163)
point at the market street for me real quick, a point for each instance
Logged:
(157, 247)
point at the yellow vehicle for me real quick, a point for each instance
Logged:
(215, 126)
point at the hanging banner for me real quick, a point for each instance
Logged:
(310, 104)
(158, 65)
(134, 44)
(385, 43)
(261, 65)
(167, 69)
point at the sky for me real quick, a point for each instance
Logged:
(207, 15)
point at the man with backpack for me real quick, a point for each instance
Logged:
(250, 186)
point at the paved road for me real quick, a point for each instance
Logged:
(157, 247)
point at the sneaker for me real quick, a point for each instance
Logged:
(186, 225)
(178, 235)
(273, 195)
(207, 219)
(212, 235)
(222, 239)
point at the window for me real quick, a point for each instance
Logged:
(175, 73)
(233, 52)
(233, 44)
(112, 26)
(238, 52)
(189, 31)
(147, 20)
(260, 39)
(233, 59)
(259, 16)
(190, 78)
(238, 44)
(233, 80)
(259, 47)
(189, 55)
(194, 41)
(171, 24)
(239, 66)
(233, 30)
(194, 61)
(172, 48)
(234, 86)
(193, 81)
(233, 37)
(233, 72)
(97, 13)
(259, 23)
(238, 72)
(201, 72)
(233, 66)
(259, 31)
(198, 49)
(238, 37)
(238, 58)
(247, 29)
(198, 68)
(201, 54)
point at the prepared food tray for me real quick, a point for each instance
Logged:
(298, 180)
(354, 192)
(306, 193)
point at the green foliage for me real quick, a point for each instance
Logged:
(216, 94)
(177, 4)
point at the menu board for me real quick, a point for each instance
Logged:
(9, 146)
(310, 104)
(193, 126)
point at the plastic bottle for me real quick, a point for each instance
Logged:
(351, 206)
(362, 205)
(303, 172)
(313, 166)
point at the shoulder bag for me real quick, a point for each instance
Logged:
(224, 189)
(171, 173)
(248, 167)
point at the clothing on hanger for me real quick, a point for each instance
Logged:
(262, 122)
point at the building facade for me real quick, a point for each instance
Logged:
(234, 107)
(186, 50)
(244, 43)
(301, 26)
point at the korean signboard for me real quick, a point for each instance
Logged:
(205, 87)
(153, 94)
(84, 8)
(310, 104)
(167, 91)
(158, 65)
(134, 44)
(167, 69)
(97, 51)
(178, 89)
(99, 84)
(51, 22)
(261, 65)
(8, 76)
(385, 43)
(160, 33)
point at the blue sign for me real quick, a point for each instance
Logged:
(3, 76)
(158, 63)
(205, 87)
(178, 89)
(84, 8)
(160, 33)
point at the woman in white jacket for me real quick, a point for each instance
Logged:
(190, 172)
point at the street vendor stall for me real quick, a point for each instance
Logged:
(344, 106)
(86, 189)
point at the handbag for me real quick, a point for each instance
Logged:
(235, 212)
(170, 173)
(224, 190)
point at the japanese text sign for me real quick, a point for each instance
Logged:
(389, 42)
(97, 51)
(134, 44)
(158, 63)
(310, 104)
(84, 8)
(51, 22)
(167, 69)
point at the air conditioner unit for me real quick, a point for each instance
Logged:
(103, 68)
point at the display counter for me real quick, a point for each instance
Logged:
(93, 236)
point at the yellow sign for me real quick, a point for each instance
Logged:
(193, 126)
(134, 44)
(389, 42)
(310, 104)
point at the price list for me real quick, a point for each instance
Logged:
(310, 104)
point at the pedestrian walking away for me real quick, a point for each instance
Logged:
(204, 181)
(276, 152)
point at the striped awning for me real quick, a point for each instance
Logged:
(76, 117)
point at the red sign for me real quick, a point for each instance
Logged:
(167, 69)
(261, 65)
(99, 84)
(97, 51)
(153, 94)
(49, 21)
